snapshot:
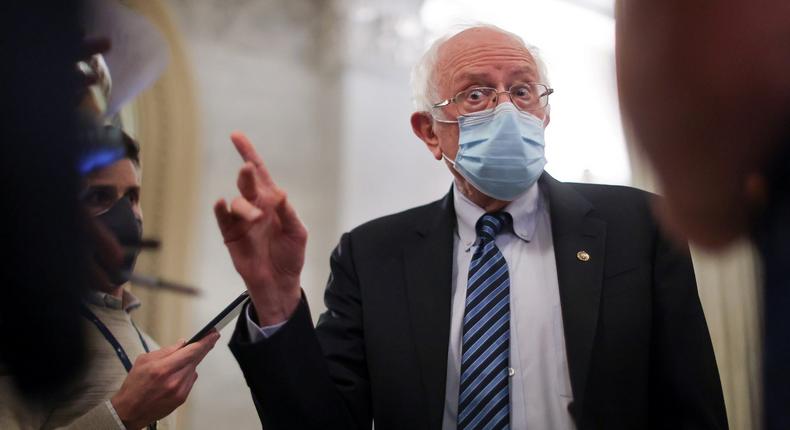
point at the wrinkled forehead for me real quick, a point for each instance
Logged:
(476, 52)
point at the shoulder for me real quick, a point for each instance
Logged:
(617, 201)
(383, 238)
(598, 193)
(395, 226)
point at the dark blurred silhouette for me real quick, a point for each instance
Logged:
(705, 92)
(46, 251)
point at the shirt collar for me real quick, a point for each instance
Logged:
(128, 302)
(523, 210)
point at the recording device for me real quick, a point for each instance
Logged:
(223, 318)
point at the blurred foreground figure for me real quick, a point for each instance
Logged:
(705, 90)
(515, 301)
(125, 385)
(46, 242)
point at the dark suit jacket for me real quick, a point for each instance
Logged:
(772, 235)
(638, 347)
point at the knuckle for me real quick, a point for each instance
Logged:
(173, 386)
(158, 372)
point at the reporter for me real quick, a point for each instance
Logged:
(113, 392)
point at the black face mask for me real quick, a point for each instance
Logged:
(128, 230)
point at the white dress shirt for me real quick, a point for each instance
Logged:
(540, 388)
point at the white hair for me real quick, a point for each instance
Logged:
(425, 92)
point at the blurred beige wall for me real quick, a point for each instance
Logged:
(259, 67)
(164, 120)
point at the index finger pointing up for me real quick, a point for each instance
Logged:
(248, 153)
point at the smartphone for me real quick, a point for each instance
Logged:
(223, 318)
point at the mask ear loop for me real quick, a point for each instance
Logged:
(546, 113)
(445, 121)
(452, 163)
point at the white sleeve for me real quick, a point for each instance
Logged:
(115, 415)
(258, 333)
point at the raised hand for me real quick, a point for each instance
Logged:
(265, 238)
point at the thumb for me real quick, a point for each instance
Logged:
(290, 220)
(225, 219)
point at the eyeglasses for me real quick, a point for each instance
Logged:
(527, 97)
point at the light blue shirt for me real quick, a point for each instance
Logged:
(540, 388)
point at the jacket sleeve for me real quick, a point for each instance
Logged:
(685, 387)
(312, 378)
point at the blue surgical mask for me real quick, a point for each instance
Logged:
(500, 151)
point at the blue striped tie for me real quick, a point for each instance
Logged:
(483, 399)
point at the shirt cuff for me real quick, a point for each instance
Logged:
(115, 416)
(258, 333)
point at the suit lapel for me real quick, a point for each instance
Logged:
(428, 269)
(575, 230)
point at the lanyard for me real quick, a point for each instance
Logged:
(127, 364)
(111, 339)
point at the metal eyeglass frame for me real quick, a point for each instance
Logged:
(446, 102)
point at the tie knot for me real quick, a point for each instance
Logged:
(489, 225)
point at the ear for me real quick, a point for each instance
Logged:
(422, 125)
(548, 116)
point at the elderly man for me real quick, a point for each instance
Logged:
(516, 301)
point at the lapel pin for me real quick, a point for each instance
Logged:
(583, 256)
